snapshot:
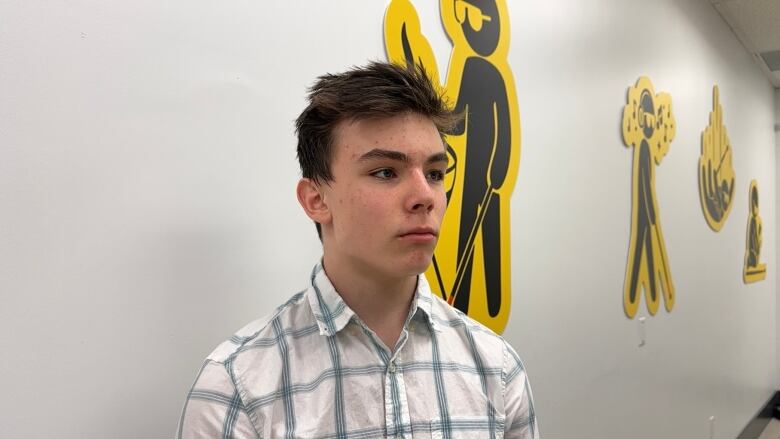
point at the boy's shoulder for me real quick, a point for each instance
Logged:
(260, 330)
(457, 324)
(449, 316)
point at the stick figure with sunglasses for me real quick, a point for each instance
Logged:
(473, 273)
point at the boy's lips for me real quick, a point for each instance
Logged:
(419, 234)
(420, 231)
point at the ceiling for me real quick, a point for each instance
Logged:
(757, 25)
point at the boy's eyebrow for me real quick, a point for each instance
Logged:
(436, 158)
(378, 153)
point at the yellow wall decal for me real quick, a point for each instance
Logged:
(754, 270)
(471, 265)
(648, 127)
(716, 173)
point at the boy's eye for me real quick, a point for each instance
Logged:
(436, 175)
(384, 174)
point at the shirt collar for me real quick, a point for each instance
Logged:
(333, 314)
(330, 310)
(424, 300)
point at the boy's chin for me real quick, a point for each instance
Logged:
(418, 266)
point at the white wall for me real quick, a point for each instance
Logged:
(714, 354)
(147, 168)
(777, 223)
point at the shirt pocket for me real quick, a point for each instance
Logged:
(467, 427)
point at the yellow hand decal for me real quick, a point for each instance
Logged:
(404, 42)
(716, 173)
(649, 127)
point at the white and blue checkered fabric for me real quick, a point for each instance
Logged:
(313, 370)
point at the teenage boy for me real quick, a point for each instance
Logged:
(366, 350)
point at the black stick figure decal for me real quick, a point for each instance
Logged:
(648, 127)
(471, 265)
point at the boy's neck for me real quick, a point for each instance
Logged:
(381, 302)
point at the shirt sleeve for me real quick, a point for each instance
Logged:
(214, 408)
(520, 421)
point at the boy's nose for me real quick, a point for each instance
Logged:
(421, 194)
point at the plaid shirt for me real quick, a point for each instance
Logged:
(312, 369)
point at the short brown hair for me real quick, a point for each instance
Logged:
(377, 90)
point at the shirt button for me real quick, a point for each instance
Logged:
(392, 369)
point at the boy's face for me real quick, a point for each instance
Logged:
(387, 198)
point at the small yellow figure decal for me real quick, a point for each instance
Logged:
(716, 173)
(471, 265)
(648, 127)
(754, 270)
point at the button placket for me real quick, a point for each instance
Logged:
(396, 405)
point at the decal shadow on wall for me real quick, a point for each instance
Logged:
(716, 172)
(754, 270)
(471, 264)
(649, 127)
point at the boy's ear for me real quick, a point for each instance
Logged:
(312, 200)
